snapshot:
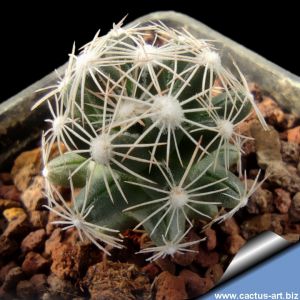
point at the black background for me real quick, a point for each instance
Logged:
(37, 37)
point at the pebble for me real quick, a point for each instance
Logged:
(295, 208)
(282, 200)
(33, 241)
(267, 144)
(211, 238)
(8, 246)
(9, 192)
(151, 270)
(194, 284)
(206, 258)
(293, 135)
(54, 241)
(38, 218)
(170, 287)
(230, 226)
(26, 166)
(5, 269)
(14, 213)
(234, 243)
(34, 263)
(261, 201)
(214, 272)
(7, 203)
(290, 152)
(25, 290)
(13, 276)
(39, 282)
(18, 227)
(33, 197)
(255, 225)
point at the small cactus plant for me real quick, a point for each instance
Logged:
(149, 119)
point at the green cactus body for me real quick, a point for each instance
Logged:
(150, 137)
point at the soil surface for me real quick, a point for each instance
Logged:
(40, 261)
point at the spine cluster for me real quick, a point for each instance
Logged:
(147, 121)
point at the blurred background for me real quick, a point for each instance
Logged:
(37, 37)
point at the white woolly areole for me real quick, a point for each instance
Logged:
(45, 172)
(63, 83)
(226, 128)
(85, 60)
(210, 58)
(126, 110)
(77, 222)
(146, 54)
(58, 124)
(101, 149)
(178, 197)
(171, 249)
(116, 31)
(168, 112)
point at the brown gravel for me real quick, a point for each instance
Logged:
(39, 260)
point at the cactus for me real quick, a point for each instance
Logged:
(149, 118)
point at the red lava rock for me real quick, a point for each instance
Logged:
(170, 287)
(267, 144)
(5, 269)
(8, 246)
(261, 201)
(5, 178)
(214, 272)
(53, 242)
(284, 176)
(152, 270)
(290, 152)
(206, 258)
(292, 237)
(38, 218)
(211, 238)
(293, 135)
(282, 200)
(234, 243)
(18, 227)
(194, 284)
(120, 281)
(7, 203)
(39, 283)
(274, 115)
(59, 289)
(34, 240)
(26, 166)
(13, 276)
(51, 218)
(67, 260)
(279, 222)
(9, 192)
(230, 226)
(71, 257)
(33, 197)
(295, 208)
(165, 264)
(34, 263)
(25, 289)
(255, 225)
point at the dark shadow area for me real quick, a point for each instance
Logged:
(37, 37)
